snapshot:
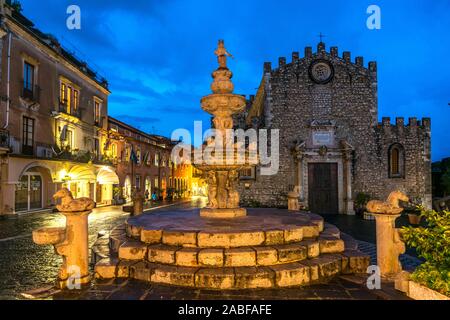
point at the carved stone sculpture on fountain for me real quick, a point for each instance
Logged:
(233, 195)
(221, 171)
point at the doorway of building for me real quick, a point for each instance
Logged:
(127, 189)
(28, 193)
(323, 188)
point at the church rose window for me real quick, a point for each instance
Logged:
(321, 71)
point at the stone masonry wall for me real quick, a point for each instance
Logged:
(293, 101)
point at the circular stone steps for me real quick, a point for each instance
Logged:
(229, 257)
(189, 230)
(291, 274)
(268, 248)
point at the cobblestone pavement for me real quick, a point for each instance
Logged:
(30, 266)
(343, 288)
(24, 265)
(409, 263)
(364, 230)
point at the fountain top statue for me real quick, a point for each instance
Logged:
(222, 54)
(222, 104)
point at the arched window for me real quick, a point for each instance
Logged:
(396, 161)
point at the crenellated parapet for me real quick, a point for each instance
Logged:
(399, 124)
(322, 53)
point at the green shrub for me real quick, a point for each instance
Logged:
(361, 202)
(432, 243)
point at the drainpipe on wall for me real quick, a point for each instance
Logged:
(8, 102)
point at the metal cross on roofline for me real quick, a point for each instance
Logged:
(321, 36)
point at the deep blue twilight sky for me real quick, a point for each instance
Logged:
(158, 54)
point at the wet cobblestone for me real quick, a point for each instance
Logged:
(26, 266)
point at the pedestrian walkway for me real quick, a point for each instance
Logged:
(409, 263)
(341, 288)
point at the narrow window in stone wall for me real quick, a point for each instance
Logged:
(97, 112)
(247, 174)
(396, 161)
(138, 156)
(138, 182)
(28, 136)
(113, 150)
(148, 159)
(28, 81)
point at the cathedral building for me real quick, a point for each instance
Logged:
(333, 149)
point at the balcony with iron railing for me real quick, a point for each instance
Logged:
(4, 139)
(30, 92)
(64, 108)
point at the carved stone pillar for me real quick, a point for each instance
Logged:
(389, 244)
(70, 242)
(348, 182)
(298, 153)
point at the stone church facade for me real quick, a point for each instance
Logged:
(332, 146)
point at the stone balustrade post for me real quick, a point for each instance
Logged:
(293, 203)
(74, 250)
(138, 205)
(389, 244)
(72, 241)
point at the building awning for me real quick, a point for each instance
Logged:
(107, 176)
(81, 172)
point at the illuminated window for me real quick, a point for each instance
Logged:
(247, 174)
(97, 111)
(156, 159)
(138, 156)
(63, 93)
(396, 161)
(69, 139)
(75, 100)
(69, 98)
(113, 150)
(127, 153)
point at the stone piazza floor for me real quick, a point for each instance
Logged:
(28, 274)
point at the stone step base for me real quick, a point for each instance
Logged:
(211, 239)
(260, 227)
(308, 271)
(230, 257)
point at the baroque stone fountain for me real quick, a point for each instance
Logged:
(222, 175)
(223, 246)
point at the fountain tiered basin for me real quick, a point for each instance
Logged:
(267, 248)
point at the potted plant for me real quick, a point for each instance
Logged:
(414, 218)
(432, 243)
(170, 194)
(414, 212)
(361, 202)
